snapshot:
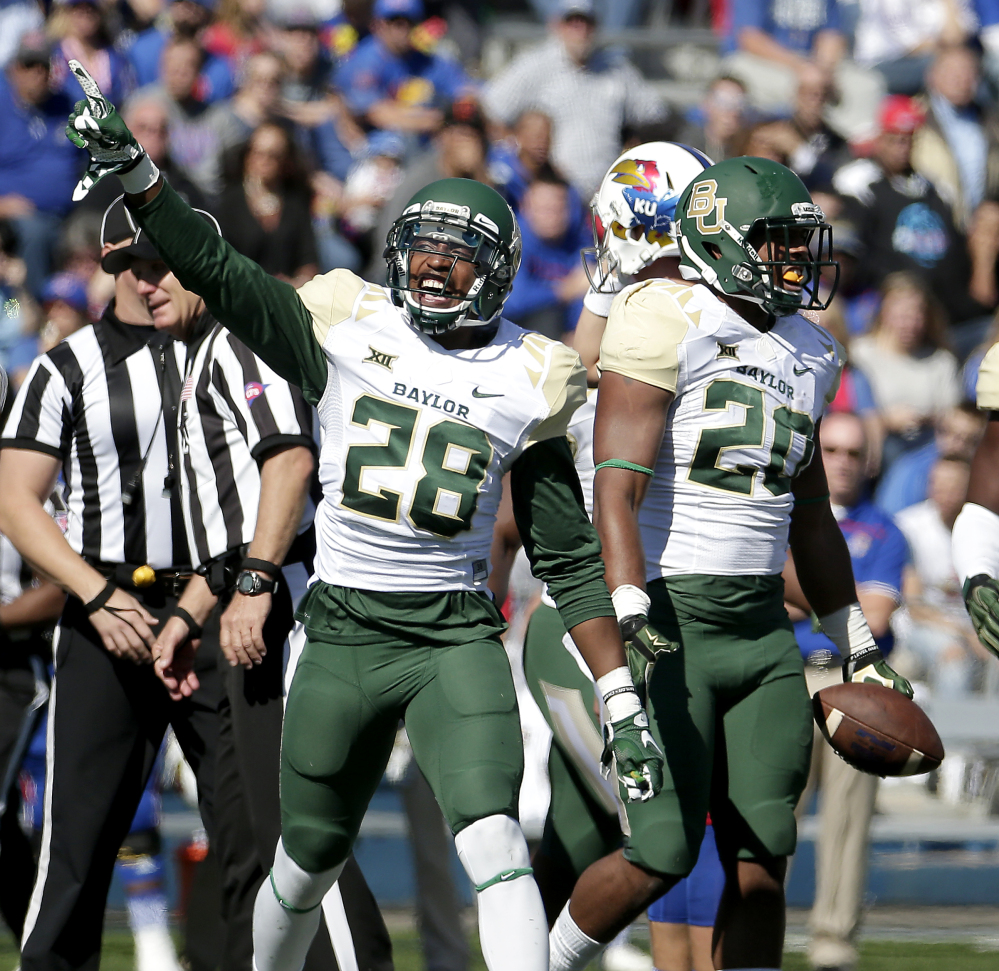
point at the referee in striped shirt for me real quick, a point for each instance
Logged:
(247, 464)
(99, 408)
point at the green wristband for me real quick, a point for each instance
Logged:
(812, 501)
(622, 464)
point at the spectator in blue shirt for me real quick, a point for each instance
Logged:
(516, 160)
(183, 18)
(389, 84)
(549, 288)
(907, 479)
(772, 42)
(39, 167)
(87, 39)
(879, 554)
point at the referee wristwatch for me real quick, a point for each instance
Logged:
(252, 584)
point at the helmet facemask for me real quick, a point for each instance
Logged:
(459, 243)
(789, 280)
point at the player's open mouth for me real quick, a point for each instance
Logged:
(433, 294)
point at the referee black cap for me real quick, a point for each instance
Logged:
(118, 225)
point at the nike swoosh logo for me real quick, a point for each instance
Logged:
(799, 371)
(476, 393)
(509, 874)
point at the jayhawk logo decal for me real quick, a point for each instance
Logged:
(650, 195)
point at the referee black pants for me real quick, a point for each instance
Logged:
(107, 718)
(248, 809)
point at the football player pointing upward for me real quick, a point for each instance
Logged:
(426, 397)
(707, 468)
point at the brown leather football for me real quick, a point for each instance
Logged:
(877, 730)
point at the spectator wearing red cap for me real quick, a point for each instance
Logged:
(903, 224)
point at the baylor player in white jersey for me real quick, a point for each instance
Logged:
(710, 396)
(633, 215)
(426, 397)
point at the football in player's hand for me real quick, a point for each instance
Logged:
(877, 730)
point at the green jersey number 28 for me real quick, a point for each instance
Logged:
(455, 458)
(750, 433)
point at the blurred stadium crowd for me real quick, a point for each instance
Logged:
(304, 124)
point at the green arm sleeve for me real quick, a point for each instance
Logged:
(264, 313)
(559, 539)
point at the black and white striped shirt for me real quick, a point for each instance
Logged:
(234, 410)
(95, 402)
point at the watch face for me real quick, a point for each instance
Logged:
(247, 582)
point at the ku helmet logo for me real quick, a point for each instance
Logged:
(253, 390)
(704, 205)
(653, 203)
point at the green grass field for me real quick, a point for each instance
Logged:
(875, 956)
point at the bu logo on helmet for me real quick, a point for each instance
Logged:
(704, 205)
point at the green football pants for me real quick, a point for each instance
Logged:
(729, 709)
(434, 660)
(583, 824)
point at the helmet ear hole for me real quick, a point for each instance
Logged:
(713, 250)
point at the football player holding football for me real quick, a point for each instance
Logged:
(711, 391)
(633, 211)
(427, 397)
(633, 215)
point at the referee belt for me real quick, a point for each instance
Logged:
(129, 576)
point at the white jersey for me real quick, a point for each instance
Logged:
(740, 426)
(580, 435)
(418, 438)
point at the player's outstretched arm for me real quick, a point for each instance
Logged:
(564, 551)
(975, 539)
(265, 313)
(825, 573)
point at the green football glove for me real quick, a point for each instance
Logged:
(870, 667)
(632, 755)
(643, 646)
(96, 127)
(981, 597)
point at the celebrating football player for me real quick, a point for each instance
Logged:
(427, 396)
(706, 469)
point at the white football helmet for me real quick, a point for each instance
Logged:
(633, 210)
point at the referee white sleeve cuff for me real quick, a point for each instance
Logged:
(975, 542)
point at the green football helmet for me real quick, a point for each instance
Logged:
(743, 207)
(462, 221)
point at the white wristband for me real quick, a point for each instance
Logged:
(619, 695)
(143, 176)
(975, 542)
(630, 601)
(848, 630)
